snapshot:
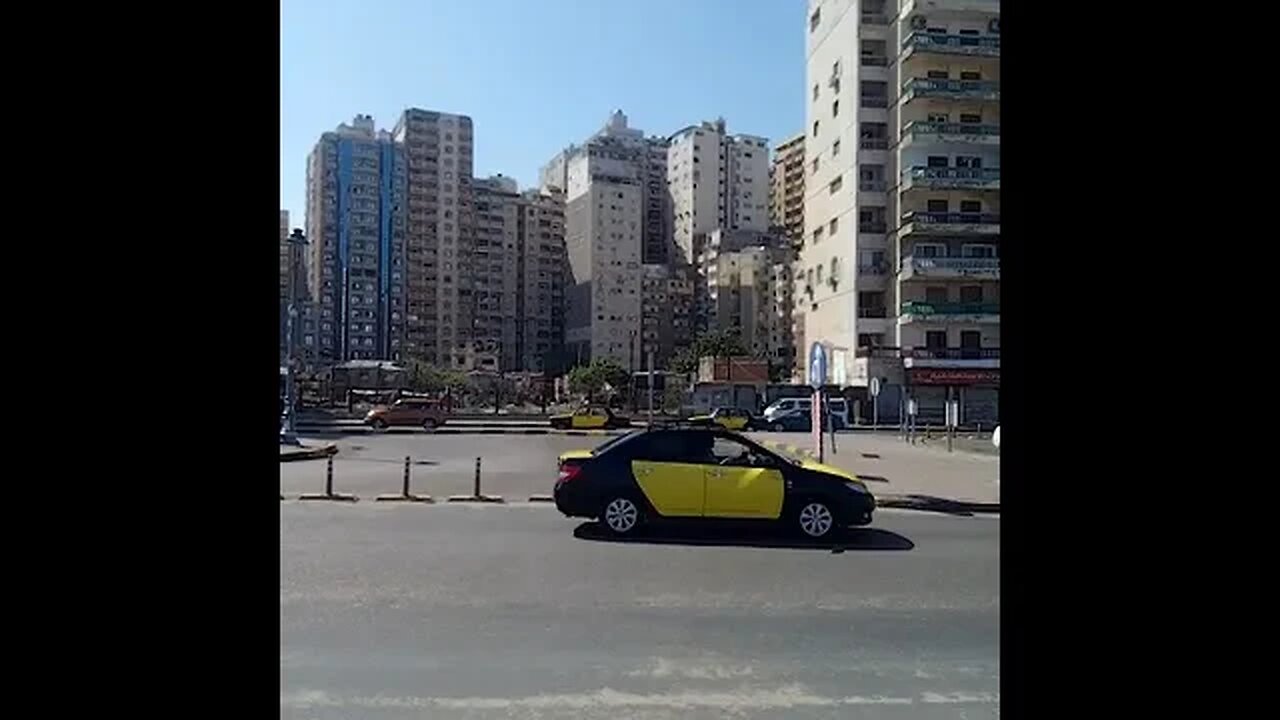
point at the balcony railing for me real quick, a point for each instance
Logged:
(873, 227)
(950, 265)
(921, 127)
(873, 101)
(926, 353)
(952, 177)
(874, 143)
(874, 61)
(951, 218)
(872, 312)
(916, 307)
(874, 19)
(958, 89)
(873, 269)
(872, 185)
(984, 45)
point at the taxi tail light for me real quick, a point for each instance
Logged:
(569, 472)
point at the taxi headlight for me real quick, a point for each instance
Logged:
(857, 487)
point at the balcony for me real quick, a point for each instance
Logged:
(873, 269)
(946, 44)
(950, 89)
(873, 228)
(872, 185)
(873, 101)
(949, 267)
(874, 19)
(937, 132)
(951, 178)
(874, 143)
(918, 311)
(986, 357)
(873, 61)
(949, 223)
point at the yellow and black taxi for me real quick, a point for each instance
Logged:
(705, 473)
(729, 418)
(590, 417)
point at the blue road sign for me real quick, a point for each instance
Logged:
(817, 365)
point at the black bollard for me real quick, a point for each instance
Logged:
(328, 477)
(406, 476)
(476, 492)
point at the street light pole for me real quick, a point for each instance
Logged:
(288, 434)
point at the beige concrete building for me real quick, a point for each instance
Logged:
(540, 273)
(284, 254)
(492, 265)
(786, 190)
(605, 182)
(750, 288)
(900, 261)
(440, 307)
(715, 180)
(667, 312)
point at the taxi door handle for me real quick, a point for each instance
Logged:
(643, 471)
(715, 473)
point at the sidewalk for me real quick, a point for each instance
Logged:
(891, 467)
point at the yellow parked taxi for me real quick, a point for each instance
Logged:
(590, 417)
(728, 418)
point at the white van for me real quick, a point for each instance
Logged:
(836, 406)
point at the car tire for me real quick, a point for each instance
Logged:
(430, 424)
(814, 519)
(779, 427)
(379, 424)
(621, 516)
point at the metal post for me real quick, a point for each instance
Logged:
(650, 387)
(875, 412)
(476, 492)
(328, 477)
(950, 421)
(406, 476)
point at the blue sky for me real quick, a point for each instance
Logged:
(535, 75)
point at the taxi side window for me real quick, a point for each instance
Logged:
(582, 411)
(675, 447)
(727, 451)
(599, 412)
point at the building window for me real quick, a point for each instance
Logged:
(970, 206)
(835, 148)
(814, 19)
(935, 295)
(815, 92)
(833, 226)
(969, 161)
(817, 235)
(835, 108)
(937, 206)
(970, 75)
(978, 251)
(970, 118)
(936, 161)
(868, 340)
(835, 185)
(970, 293)
(935, 339)
(937, 74)
(815, 128)
(815, 165)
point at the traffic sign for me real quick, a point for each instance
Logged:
(817, 365)
(875, 387)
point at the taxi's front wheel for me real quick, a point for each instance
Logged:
(621, 516)
(815, 519)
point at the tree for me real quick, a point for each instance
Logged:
(590, 380)
(716, 344)
(426, 378)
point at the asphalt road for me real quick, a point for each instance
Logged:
(409, 611)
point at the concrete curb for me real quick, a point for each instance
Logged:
(476, 499)
(936, 504)
(309, 453)
(339, 430)
(336, 497)
(541, 498)
(405, 498)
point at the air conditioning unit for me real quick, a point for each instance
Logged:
(918, 22)
(994, 25)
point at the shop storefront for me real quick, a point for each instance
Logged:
(977, 389)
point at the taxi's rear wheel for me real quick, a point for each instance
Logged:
(815, 519)
(621, 515)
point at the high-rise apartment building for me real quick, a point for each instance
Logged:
(667, 314)
(285, 262)
(900, 260)
(440, 306)
(715, 180)
(605, 184)
(786, 190)
(355, 230)
(492, 268)
(540, 278)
